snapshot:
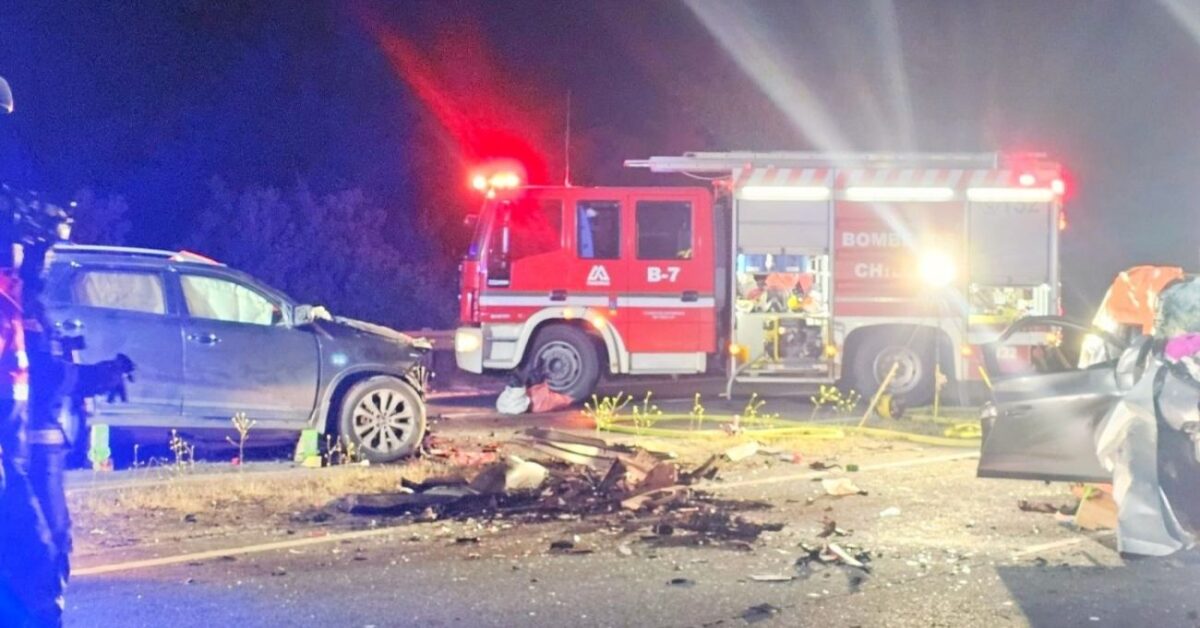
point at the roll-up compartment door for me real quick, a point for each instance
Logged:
(1010, 243)
(790, 227)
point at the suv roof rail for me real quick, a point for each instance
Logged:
(175, 256)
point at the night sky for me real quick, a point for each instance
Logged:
(151, 100)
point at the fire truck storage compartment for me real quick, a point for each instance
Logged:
(1011, 262)
(782, 286)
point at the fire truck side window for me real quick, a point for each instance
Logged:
(599, 229)
(664, 230)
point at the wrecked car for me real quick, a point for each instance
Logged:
(1112, 405)
(210, 341)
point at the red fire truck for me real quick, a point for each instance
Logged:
(788, 268)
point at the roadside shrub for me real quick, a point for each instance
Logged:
(338, 250)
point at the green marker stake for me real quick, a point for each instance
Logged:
(99, 451)
(308, 446)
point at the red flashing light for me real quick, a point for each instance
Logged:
(1026, 179)
(503, 175)
(1058, 186)
(504, 180)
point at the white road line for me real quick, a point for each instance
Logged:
(899, 464)
(1056, 545)
(232, 551)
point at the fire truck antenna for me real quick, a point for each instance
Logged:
(567, 145)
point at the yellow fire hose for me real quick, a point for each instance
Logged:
(953, 436)
(957, 435)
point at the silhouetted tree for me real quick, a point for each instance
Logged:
(338, 250)
(99, 220)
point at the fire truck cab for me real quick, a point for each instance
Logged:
(794, 269)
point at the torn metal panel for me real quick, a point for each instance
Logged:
(1128, 446)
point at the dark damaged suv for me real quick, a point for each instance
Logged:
(209, 342)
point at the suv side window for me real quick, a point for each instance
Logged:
(128, 290)
(224, 300)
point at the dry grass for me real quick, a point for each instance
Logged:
(266, 498)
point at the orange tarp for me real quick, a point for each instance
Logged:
(1133, 296)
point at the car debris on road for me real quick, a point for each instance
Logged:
(630, 488)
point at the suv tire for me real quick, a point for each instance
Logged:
(384, 418)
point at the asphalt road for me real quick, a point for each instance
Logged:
(959, 553)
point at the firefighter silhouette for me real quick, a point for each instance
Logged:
(37, 379)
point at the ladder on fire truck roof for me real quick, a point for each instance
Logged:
(727, 162)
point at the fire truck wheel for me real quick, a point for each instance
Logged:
(913, 359)
(568, 360)
(384, 418)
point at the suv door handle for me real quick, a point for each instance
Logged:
(558, 295)
(690, 296)
(204, 339)
(73, 324)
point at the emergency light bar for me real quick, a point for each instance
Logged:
(1010, 195)
(899, 194)
(785, 193)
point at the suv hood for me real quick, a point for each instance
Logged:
(384, 332)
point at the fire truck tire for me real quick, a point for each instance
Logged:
(567, 359)
(913, 355)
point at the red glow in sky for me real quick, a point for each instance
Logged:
(459, 86)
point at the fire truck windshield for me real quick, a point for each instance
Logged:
(479, 235)
(510, 230)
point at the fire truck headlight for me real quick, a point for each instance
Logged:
(936, 269)
(467, 340)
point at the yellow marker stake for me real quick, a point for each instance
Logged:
(879, 393)
(937, 390)
(986, 380)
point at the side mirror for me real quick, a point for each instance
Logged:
(6, 99)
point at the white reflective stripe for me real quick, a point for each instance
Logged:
(22, 359)
(45, 437)
(600, 302)
(518, 300)
(20, 392)
(666, 302)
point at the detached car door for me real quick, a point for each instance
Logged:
(1045, 413)
(123, 310)
(241, 355)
